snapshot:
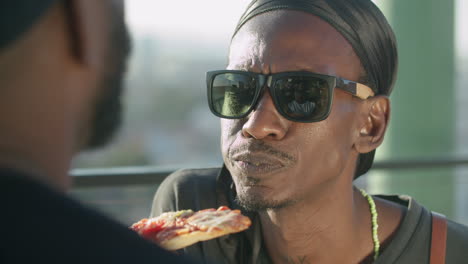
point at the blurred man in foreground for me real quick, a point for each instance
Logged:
(61, 67)
(293, 170)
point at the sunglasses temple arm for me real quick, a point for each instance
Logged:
(357, 89)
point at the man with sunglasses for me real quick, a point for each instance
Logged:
(292, 170)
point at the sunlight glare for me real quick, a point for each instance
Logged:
(184, 17)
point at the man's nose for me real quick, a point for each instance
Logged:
(265, 122)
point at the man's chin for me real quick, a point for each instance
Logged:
(256, 202)
(107, 118)
(99, 143)
(103, 134)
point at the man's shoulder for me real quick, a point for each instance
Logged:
(45, 224)
(184, 176)
(457, 242)
(186, 189)
(412, 241)
(458, 229)
(191, 178)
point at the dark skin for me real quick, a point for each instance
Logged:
(51, 79)
(300, 175)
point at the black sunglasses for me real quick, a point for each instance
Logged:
(298, 96)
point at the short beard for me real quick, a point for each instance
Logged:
(256, 203)
(108, 109)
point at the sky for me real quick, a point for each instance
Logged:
(192, 18)
(188, 17)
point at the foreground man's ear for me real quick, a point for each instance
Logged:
(372, 131)
(88, 29)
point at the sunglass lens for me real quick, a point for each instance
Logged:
(304, 99)
(232, 94)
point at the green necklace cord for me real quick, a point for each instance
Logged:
(375, 225)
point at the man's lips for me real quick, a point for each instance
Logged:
(255, 157)
(254, 164)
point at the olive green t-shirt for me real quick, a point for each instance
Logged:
(209, 188)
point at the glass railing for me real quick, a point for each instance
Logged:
(126, 193)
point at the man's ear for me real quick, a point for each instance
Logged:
(372, 129)
(87, 30)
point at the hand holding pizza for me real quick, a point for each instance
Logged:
(176, 230)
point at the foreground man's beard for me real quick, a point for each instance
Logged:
(108, 109)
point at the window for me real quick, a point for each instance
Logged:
(167, 121)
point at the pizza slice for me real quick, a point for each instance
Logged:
(176, 230)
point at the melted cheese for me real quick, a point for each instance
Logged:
(170, 217)
(214, 219)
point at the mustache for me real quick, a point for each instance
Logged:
(260, 146)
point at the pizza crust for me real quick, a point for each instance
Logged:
(188, 239)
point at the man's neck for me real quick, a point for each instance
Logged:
(331, 229)
(46, 169)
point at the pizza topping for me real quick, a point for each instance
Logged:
(212, 218)
(151, 227)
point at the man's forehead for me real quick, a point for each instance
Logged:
(291, 26)
(245, 50)
(290, 40)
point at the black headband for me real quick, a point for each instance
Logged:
(17, 16)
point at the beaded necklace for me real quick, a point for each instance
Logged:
(375, 225)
